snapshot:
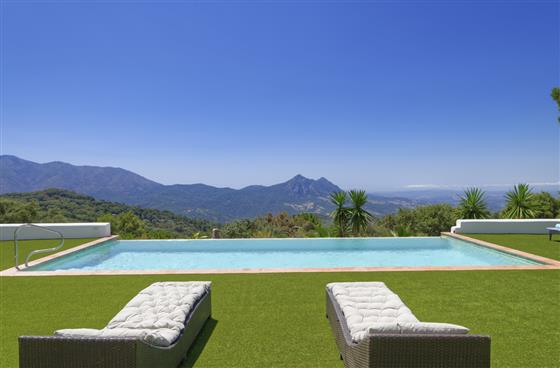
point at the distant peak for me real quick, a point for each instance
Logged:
(300, 179)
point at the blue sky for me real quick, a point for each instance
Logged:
(375, 95)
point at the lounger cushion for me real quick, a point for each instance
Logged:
(417, 328)
(365, 304)
(158, 337)
(372, 308)
(432, 328)
(161, 305)
(156, 315)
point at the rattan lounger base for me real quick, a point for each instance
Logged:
(407, 351)
(64, 352)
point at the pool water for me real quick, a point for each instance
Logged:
(281, 253)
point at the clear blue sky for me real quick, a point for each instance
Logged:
(376, 95)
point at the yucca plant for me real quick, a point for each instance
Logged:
(473, 205)
(359, 216)
(341, 214)
(519, 203)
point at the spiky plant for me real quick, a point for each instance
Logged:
(341, 213)
(473, 205)
(519, 202)
(359, 216)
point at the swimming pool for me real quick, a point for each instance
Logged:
(232, 254)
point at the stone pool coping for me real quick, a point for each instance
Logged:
(547, 264)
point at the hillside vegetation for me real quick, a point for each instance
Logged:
(56, 205)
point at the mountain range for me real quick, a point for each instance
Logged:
(299, 194)
(201, 201)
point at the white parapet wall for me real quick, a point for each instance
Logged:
(504, 226)
(70, 230)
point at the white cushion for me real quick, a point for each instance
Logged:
(78, 332)
(372, 308)
(425, 328)
(433, 328)
(158, 337)
(156, 315)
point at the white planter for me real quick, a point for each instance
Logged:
(71, 230)
(504, 226)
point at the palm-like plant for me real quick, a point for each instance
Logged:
(519, 202)
(473, 205)
(359, 216)
(341, 213)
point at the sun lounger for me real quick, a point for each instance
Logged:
(552, 230)
(155, 329)
(374, 328)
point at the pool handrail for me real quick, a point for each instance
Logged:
(37, 251)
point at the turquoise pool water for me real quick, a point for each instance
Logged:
(281, 253)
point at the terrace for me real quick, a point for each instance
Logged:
(278, 319)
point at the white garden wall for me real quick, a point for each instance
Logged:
(71, 230)
(504, 226)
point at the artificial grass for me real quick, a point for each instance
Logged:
(278, 320)
(530, 243)
(26, 246)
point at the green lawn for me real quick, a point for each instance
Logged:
(26, 246)
(536, 244)
(278, 320)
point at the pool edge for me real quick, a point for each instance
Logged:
(14, 271)
(501, 248)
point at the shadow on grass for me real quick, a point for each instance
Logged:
(199, 343)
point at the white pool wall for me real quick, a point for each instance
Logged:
(68, 230)
(504, 226)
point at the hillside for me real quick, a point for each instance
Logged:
(299, 194)
(56, 205)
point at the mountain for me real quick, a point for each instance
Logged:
(110, 183)
(299, 194)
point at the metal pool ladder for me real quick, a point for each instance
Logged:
(46, 250)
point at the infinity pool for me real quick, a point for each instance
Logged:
(281, 253)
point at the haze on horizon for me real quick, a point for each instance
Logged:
(370, 95)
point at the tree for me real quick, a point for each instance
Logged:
(127, 225)
(359, 216)
(239, 229)
(17, 212)
(473, 205)
(428, 220)
(555, 94)
(520, 203)
(546, 206)
(341, 214)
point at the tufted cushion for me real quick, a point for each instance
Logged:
(371, 308)
(156, 315)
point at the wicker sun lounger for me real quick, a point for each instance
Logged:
(406, 350)
(114, 352)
